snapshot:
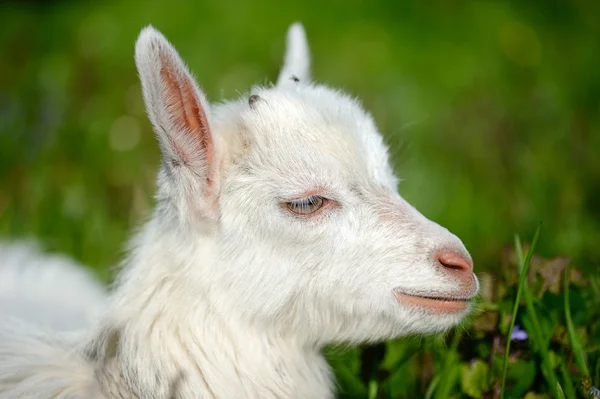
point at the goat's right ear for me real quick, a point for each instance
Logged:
(176, 107)
(296, 64)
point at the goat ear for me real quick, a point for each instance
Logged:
(176, 106)
(296, 65)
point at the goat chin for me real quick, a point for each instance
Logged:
(278, 230)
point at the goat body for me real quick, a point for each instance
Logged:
(278, 230)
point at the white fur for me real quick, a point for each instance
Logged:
(48, 290)
(227, 294)
(47, 302)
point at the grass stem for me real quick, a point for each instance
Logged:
(576, 346)
(522, 284)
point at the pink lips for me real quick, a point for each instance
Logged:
(443, 305)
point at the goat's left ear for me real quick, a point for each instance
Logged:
(296, 65)
(179, 114)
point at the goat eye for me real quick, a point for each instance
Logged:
(307, 205)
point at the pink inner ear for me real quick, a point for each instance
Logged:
(186, 113)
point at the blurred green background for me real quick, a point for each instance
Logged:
(491, 108)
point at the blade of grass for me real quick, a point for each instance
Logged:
(522, 284)
(397, 368)
(432, 386)
(536, 333)
(568, 381)
(450, 368)
(560, 393)
(373, 388)
(408, 354)
(576, 346)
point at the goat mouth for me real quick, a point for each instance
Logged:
(435, 303)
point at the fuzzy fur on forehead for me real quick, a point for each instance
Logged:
(308, 119)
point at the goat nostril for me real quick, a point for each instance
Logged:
(453, 260)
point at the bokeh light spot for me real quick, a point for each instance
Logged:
(520, 44)
(124, 134)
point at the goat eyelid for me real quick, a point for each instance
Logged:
(307, 206)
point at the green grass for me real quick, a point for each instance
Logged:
(491, 110)
(539, 336)
(523, 269)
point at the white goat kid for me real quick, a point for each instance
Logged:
(278, 230)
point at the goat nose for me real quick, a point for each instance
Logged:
(454, 261)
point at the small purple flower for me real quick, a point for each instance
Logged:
(594, 393)
(518, 334)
